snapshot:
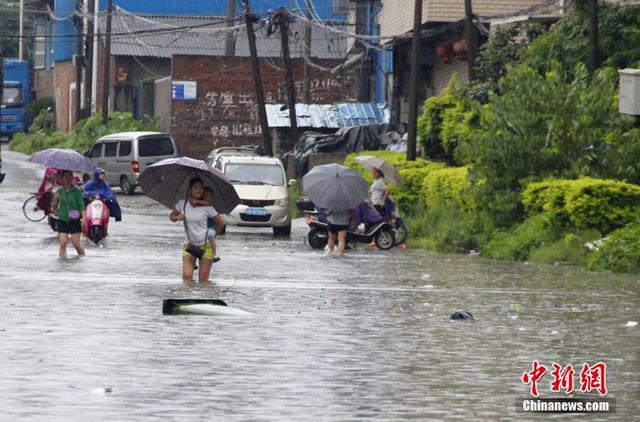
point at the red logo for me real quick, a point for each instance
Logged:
(534, 376)
(592, 377)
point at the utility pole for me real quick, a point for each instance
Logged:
(413, 82)
(470, 34)
(288, 71)
(262, 112)
(21, 32)
(230, 43)
(79, 28)
(594, 59)
(107, 66)
(94, 59)
(88, 89)
(306, 54)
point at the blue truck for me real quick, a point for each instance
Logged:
(16, 94)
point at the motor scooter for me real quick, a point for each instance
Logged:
(381, 232)
(96, 219)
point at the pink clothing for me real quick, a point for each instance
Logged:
(50, 181)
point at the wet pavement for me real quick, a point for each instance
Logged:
(366, 336)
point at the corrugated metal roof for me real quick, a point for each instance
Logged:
(330, 116)
(206, 41)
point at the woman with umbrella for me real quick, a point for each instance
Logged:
(67, 202)
(338, 189)
(195, 221)
(179, 183)
(69, 205)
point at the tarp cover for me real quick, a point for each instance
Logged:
(347, 139)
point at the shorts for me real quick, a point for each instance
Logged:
(211, 234)
(208, 253)
(335, 228)
(70, 227)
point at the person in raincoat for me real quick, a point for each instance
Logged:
(50, 181)
(98, 187)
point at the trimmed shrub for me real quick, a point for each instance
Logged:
(620, 252)
(585, 203)
(448, 185)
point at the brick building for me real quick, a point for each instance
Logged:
(225, 112)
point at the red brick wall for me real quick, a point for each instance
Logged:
(225, 112)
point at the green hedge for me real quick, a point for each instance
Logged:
(81, 137)
(619, 252)
(585, 203)
(448, 185)
(412, 173)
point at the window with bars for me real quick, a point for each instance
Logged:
(39, 46)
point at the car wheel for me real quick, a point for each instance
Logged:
(126, 186)
(223, 231)
(282, 231)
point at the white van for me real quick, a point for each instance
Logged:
(262, 186)
(125, 155)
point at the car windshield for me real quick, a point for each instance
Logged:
(11, 96)
(254, 174)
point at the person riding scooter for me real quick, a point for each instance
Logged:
(99, 188)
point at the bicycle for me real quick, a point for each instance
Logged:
(31, 210)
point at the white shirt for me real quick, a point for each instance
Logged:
(378, 188)
(196, 220)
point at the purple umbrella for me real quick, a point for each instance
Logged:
(167, 181)
(62, 159)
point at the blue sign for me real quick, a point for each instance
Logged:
(184, 90)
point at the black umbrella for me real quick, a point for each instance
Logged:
(167, 182)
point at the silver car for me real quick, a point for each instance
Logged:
(125, 155)
(262, 187)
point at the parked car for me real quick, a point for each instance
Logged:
(230, 151)
(262, 187)
(125, 155)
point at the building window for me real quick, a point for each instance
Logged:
(39, 46)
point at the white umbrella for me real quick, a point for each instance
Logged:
(370, 162)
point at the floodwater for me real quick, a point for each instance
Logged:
(362, 337)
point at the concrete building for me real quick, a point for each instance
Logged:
(443, 46)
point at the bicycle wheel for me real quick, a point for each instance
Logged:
(31, 210)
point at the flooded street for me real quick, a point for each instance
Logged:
(367, 336)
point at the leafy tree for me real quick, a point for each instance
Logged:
(10, 24)
(541, 126)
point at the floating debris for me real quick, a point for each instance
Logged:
(461, 315)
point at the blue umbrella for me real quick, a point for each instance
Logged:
(335, 187)
(62, 159)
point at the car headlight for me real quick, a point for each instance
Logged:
(284, 202)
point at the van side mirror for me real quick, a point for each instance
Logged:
(293, 182)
